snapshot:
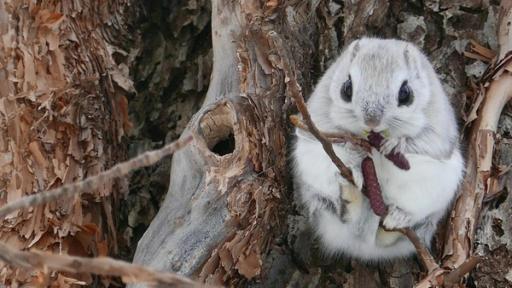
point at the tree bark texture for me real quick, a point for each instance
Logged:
(234, 150)
(63, 113)
(171, 72)
(229, 215)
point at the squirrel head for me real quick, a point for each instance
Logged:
(381, 85)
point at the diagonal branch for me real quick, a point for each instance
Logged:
(121, 169)
(426, 258)
(296, 94)
(334, 137)
(130, 273)
(453, 277)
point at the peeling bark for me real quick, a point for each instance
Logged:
(239, 146)
(63, 113)
(478, 181)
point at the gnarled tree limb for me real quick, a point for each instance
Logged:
(227, 189)
(498, 92)
(497, 88)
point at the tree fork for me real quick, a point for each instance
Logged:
(226, 201)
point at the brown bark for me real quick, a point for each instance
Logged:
(63, 114)
(239, 146)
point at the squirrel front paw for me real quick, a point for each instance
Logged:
(397, 218)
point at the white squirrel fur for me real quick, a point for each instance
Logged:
(425, 131)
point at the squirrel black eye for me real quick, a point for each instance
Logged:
(405, 95)
(346, 90)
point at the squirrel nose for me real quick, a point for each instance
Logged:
(372, 121)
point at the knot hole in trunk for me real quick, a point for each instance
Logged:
(216, 127)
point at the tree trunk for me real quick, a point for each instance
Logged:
(229, 216)
(171, 74)
(63, 113)
(239, 146)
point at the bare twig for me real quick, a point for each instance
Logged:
(441, 277)
(296, 93)
(433, 279)
(130, 273)
(334, 137)
(426, 258)
(454, 276)
(101, 265)
(121, 169)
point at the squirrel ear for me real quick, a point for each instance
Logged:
(411, 61)
(354, 49)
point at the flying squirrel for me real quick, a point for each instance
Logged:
(389, 87)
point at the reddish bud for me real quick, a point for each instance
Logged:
(371, 187)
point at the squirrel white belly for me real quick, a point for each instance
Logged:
(387, 87)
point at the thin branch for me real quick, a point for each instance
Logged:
(121, 169)
(101, 265)
(296, 94)
(334, 137)
(441, 277)
(453, 278)
(433, 279)
(130, 273)
(426, 258)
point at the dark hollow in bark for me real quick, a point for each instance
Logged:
(216, 128)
